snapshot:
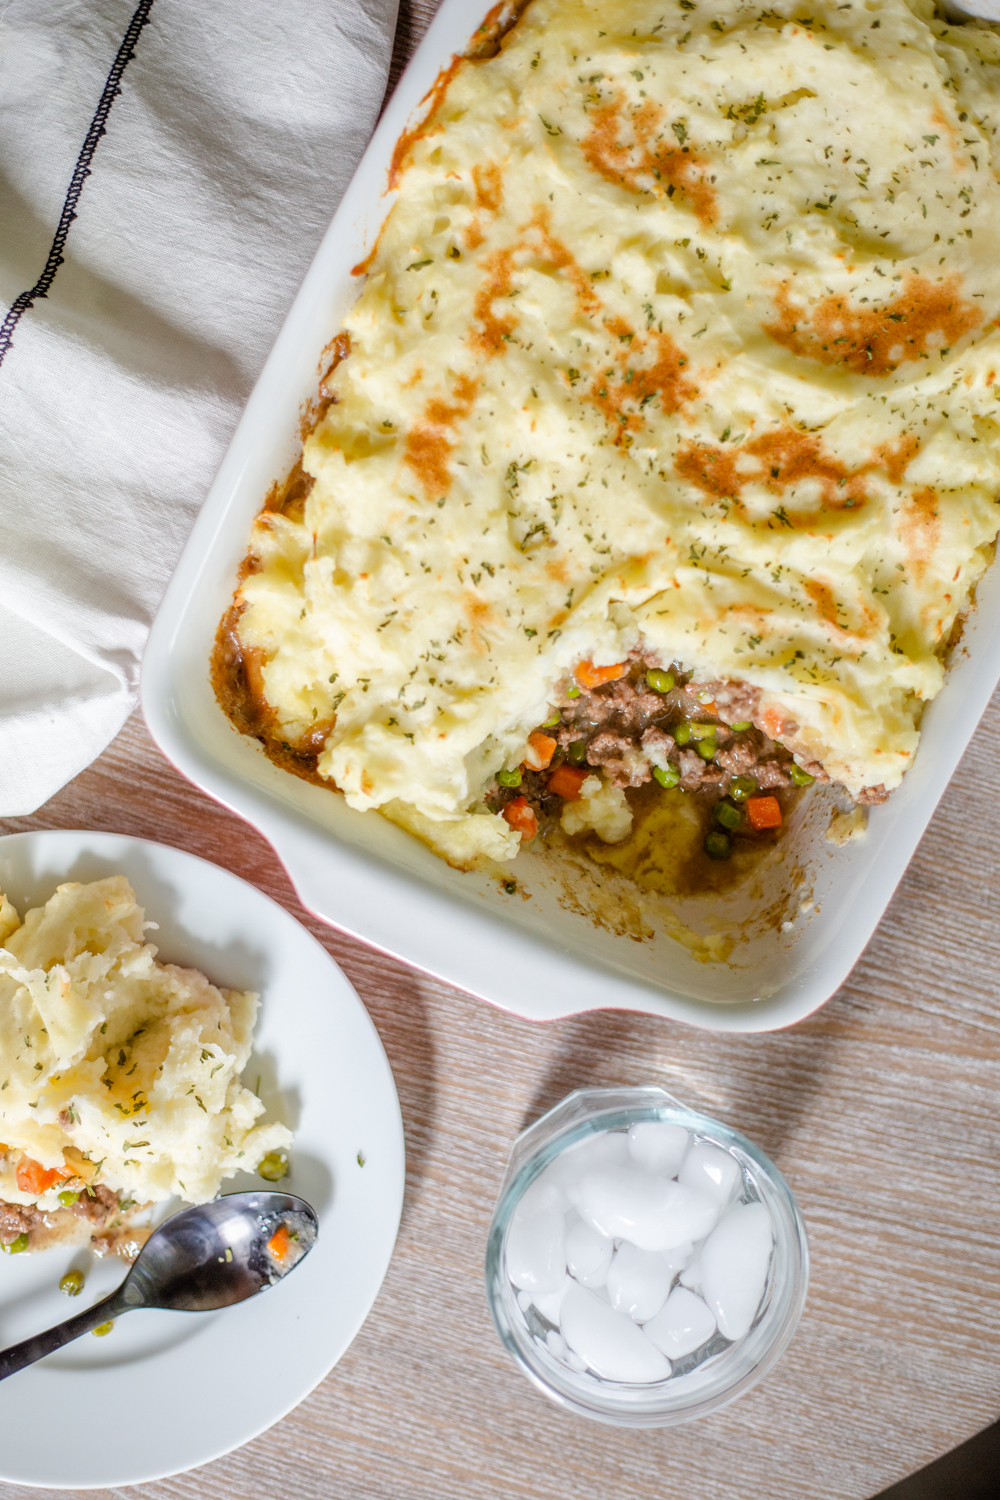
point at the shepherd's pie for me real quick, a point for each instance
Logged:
(119, 1075)
(667, 405)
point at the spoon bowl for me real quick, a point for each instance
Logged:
(209, 1256)
(215, 1254)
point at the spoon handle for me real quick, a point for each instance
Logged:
(19, 1355)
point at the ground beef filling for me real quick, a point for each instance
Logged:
(625, 728)
(17, 1219)
(705, 738)
(99, 1206)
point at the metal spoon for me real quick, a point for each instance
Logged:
(200, 1259)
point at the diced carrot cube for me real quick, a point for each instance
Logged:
(566, 782)
(541, 748)
(521, 817)
(33, 1178)
(589, 676)
(278, 1243)
(763, 812)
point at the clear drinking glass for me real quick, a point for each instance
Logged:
(712, 1376)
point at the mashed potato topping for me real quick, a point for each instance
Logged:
(602, 807)
(681, 337)
(116, 1069)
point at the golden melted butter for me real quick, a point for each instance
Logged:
(682, 329)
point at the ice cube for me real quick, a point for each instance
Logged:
(545, 1195)
(652, 1212)
(657, 1146)
(679, 1256)
(691, 1275)
(556, 1343)
(682, 1325)
(588, 1254)
(603, 1148)
(608, 1341)
(536, 1252)
(638, 1282)
(734, 1262)
(549, 1304)
(711, 1170)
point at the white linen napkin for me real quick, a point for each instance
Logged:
(237, 127)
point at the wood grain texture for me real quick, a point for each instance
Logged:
(881, 1110)
(414, 18)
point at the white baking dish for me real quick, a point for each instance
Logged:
(530, 952)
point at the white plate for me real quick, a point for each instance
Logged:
(166, 1391)
(528, 952)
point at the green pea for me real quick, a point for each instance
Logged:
(67, 1198)
(577, 753)
(509, 778)
(703, 731)
(573, 692)
(72, 1283)
(660, 681)
(667, 776)
(800, 777)
(706, 749)
(681, 733)
(742, 787)
(553, 720)
(16, 1246)
(739, 727)
(102, 1330)
(727, 815)
(273, 1167)
(717, 845)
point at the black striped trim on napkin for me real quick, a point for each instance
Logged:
(82, 170)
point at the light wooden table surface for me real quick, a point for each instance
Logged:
(882, 1111)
